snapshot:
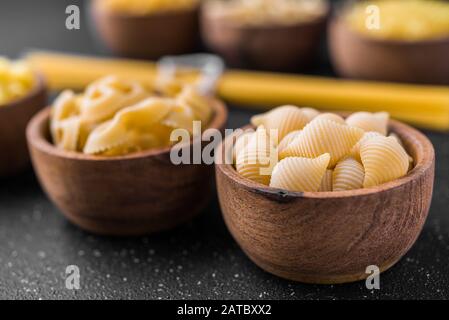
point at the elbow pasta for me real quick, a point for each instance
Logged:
(323, 152)
(116, 117)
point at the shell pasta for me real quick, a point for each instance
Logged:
(322, 152)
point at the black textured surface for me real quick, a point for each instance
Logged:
(196, 261)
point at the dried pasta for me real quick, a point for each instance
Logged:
(116, 117)
(384, 159)
(323, 136)
(348, 175)
(328, 154)
(300, 174)
(16, 80)
(284, 119)
(255, 161)
(370, 121)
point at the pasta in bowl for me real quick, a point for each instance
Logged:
(351, 219)
(108, 167)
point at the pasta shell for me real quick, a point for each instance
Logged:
(384, 160)
(370, 121)
(300, 174)
(288, 139)
(201, 108)
(284, 119)
(332, 117)
(242, 142)
(410, 159)
(348, 175)
(257, 159)
(326, 182)
(323, 136)
(310, 113)
(355, 151)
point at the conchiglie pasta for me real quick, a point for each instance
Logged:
(331, 116)
(355, 150)
(310, 113)
(241, 142)
(326, 182)
(284, 119)
(348, 175)
(323, 136)
(384, 159)
(258, 157)
(300, 174)
(370, 121)
(288, 139)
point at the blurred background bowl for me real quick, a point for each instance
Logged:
(148, 36)
(359, 56)
(271, 47)
(14, 117)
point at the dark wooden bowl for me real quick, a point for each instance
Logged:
(135, 194)
(361, 57)
(268, 47)
(148, 36)
(330, 237)
(14, 118)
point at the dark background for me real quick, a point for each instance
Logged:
(196, 261)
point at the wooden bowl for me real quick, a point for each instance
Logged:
(358, 56)
(268, 47)
(14, 118)
(330, 237)
(135, 194)
(148, 36)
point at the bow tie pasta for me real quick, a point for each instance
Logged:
(116, 117)
(323, 151)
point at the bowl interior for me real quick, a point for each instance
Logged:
(415, 143)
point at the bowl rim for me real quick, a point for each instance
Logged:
(338, 21)
(38, 87)
(157, 14)
(36, 138)
(424, 161)
(318, 21)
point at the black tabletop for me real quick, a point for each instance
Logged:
(199, 260)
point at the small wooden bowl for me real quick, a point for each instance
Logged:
(135, 194)
(148, 36)
(358, 56)
(268, 47)
(14, 118)
(330, 237)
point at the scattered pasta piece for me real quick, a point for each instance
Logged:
(384, 159)
(300, 174)
(370, 121)
(348, 175)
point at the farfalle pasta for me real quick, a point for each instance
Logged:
(114, 116)
(321, 152)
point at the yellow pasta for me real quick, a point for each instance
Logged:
(348, 175)
(66, 133)
(331, 116)
(242, 142)
(199, 104)
(370, 121)
(257, 159)
(310, 113)
(284, 119)
(326, 182)
(410, 159)
(324, 136)
(16, 80)
(300, 174)
(288, 139)
(384, 159)
(355, 151)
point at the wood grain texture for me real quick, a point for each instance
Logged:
(330, 237)
(134, 194)
(14, 118)
(275, 48)
(357, 56)
(148, 36)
